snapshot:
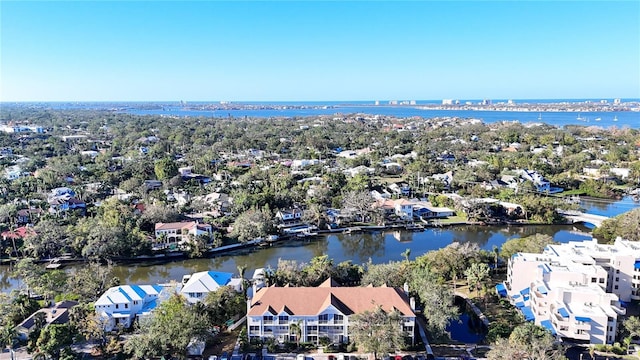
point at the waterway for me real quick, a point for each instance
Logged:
(618, 119)
(379, 247)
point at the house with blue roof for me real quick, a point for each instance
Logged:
(119, 306)
(196, 286)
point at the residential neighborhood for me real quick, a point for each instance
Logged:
(80, 199)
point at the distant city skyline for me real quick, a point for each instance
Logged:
(325, 51)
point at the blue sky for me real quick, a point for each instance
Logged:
(364, 50)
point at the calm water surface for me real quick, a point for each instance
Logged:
(380, 247)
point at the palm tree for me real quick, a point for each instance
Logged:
(8, 334)
(296, 329)
(476, 275)
(405, 254)
(241, 271)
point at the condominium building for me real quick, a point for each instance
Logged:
(322, 311)
(575, 289)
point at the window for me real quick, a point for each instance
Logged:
(323, 318)
(616, 287)
(126, 306)
(283, 318)
(254, 328)
(617, 271)
(601, 281)
(593, 280)
(312, 328)
(267, 318)
(617, 279)
(338, 318)
(117, 306)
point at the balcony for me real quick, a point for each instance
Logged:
(618, 309)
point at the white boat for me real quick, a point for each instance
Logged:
(579, 118)
(598, 119)
(615, 118)
(540, 116)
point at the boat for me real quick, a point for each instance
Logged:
(54, 264)
(615, 118)
(598, 119)
(540, 116)
(579, 118)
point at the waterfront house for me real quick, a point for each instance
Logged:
(403, 208)
(56, 314)
(322, 311)
(426, 210)
(289, 217)
(171, 234)
(121, 305)
(195, 287)
(541, 184)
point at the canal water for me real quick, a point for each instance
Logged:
(380, 247)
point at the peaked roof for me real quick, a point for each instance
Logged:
(206, 281)
(175, 225)
(127, 293)
(312, 301)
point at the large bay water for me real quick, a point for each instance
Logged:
(601, 119)
(380, 247)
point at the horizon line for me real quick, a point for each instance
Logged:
(299, 101)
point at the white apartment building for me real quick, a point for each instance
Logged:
(196, 286)
(575, 289)
(321, 311)
(120, 305)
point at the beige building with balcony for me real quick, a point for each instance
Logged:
(322, 311)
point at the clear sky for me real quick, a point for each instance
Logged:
(364, 50)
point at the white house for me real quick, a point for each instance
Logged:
(289, 216)
(196, 286)
(168, 234)
(404, 208)
(321, 311)
(121, 305)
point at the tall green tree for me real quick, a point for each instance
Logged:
(437, 299)
(530, 244)
(165, 169)
(377, 331)
(168, 331)
(527, 341)
(252, 224)
(477, 274)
